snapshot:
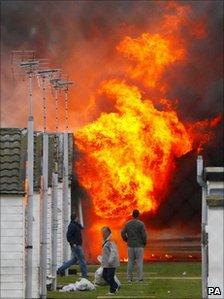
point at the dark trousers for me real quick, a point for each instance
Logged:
(108, 276)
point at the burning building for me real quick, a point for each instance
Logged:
(148, 99)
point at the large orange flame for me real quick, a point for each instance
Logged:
(127, 157)
(127, 151)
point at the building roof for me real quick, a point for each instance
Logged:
(13, 147)
(13, 144)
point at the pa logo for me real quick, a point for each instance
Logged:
(214, 291)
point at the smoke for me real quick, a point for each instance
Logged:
(81, 37)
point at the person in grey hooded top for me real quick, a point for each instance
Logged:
(134, 234)
(110, 259)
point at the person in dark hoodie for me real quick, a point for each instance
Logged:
(74, 238)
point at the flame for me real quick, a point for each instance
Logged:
(126, 151)
(152, 53)
(201, 130)
(127, 157)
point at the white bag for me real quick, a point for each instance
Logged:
(98, 276)
(82, 285)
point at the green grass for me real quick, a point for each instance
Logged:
(161, 280)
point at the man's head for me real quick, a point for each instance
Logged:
(105, 232)
(135, 213)
(73, 216)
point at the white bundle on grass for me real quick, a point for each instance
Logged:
(98, 276)
(82, 285)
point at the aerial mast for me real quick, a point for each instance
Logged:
(26, 61)
(44, 75)
(54, 202)
(65, 85)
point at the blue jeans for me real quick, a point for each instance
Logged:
(76, 256)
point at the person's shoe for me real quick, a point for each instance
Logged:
(117, 289)
(61, 273)
(129, 280)
(110, 293)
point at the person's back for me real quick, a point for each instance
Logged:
(74, 233)
(135, 233)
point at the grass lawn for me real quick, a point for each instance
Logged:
(161, 280)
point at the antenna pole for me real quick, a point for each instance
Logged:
(30, 95)
(66, 110)
(54, 227)
(56, 110)
(66, 199)
(66, 196)
(29, 67)
(43, 268)
(44, 74)
(30, 165)
(54, 201)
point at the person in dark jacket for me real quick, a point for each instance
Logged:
(74, 238)
(134, 234)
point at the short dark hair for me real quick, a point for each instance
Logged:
(135, 213)
(106, 232)
(73, 216)
(107, 229)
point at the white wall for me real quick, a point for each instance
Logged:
(216, 249)
(13, 221)
(12, 266)
(60, 235)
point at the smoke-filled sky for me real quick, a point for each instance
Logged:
(81, 37)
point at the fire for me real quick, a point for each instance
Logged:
(151, 54)
(126, 151)
(127, 156)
